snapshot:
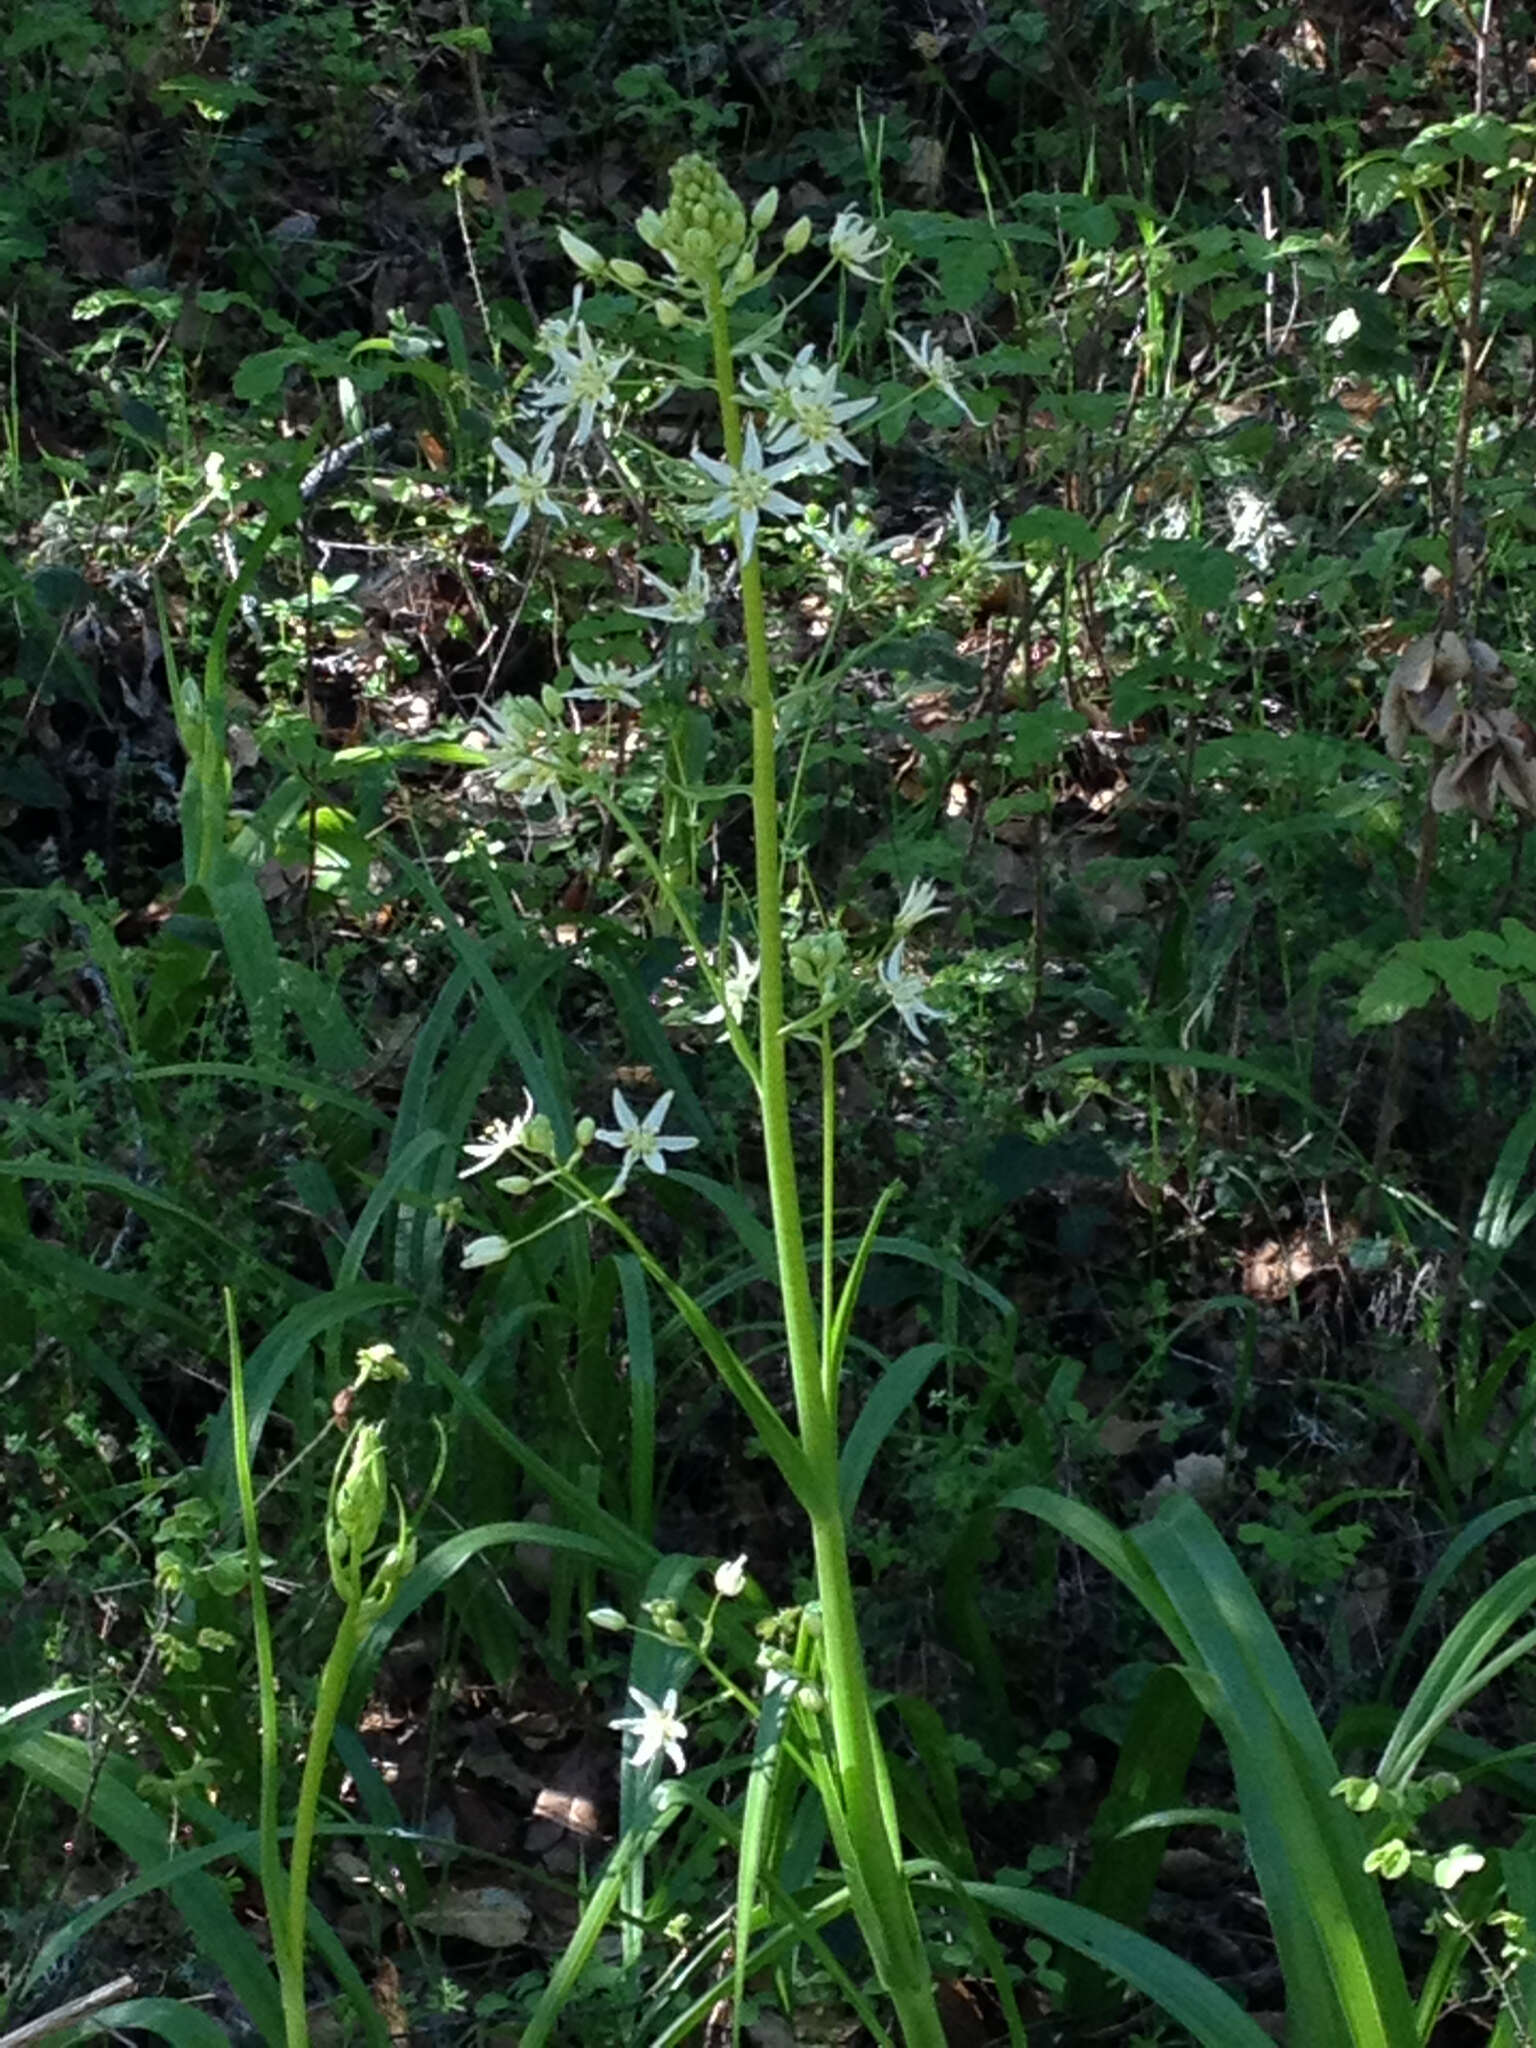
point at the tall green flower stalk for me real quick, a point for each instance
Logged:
(359, 1498)
(868, 1837)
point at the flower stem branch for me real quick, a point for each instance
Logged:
(887, 1915)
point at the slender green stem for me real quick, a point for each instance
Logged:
(888, 1918)
(333, 1686)
(274, 1883)
(828, 1199)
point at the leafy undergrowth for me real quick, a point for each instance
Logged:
(375, 746)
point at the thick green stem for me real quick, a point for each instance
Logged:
(889, 1923)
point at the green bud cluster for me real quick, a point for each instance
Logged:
(704, 226)
(817, 959)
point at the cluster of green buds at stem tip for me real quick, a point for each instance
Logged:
(704, 227)
(359, 1497)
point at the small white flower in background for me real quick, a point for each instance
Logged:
(731, 1577)
(529, 488)
(746, 493)
(906, 991)
(686, 605)
(939, 370)
(855, 243)
(608, 682)
(657, 1728)
(738, 986)
(484, 1251)
(524, 752)
(556, 334)
(921, 900)
(642, 1140)
(583, 381)
(608, 1618)
(497, 1140)
(850, 543)
(978, 553)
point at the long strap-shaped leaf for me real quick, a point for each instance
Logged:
(1344, 1979)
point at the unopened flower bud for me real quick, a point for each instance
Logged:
(515, 1184)
(608, 1618)
(674, 1631)
(812, 1623)
(587, 260)
(765, 209)
(633, 276)
(359, 1503)
(797, 235)
(667, 313)
(731, 1577)
(586, 1131)
(539, 1137)
(811, 1697)
(649, 227)
(816, 959)
(743, 270)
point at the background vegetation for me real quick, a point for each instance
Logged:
(1212, 1172)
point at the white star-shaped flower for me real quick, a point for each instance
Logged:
(529, 489)
(855, 243)
(939, 370)
(921, 900)
(906, 991)
(737, 986)
(746, 493)
(583, 381)
(687, 605)
(806, 411)
(608, 682)
(978, 553)
(642, 1140)
(658, 1730)
(497, 1140)
(849, 542)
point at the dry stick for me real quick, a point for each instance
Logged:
(1429, 831)
(64, 2016)
(493, 165)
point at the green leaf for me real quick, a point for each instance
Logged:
(68, 1768)
(182, 2025)
(1207, 573)
(1049, 527)
(1175, 1987)
(893, 1393)
(1470, 984)
(261, 376)
(1400, 984)
(1154, 1760)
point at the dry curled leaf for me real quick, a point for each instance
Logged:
(1496, 757)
